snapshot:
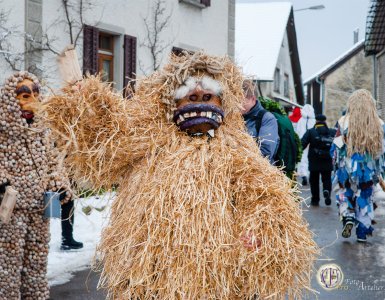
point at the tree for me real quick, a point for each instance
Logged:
(72, 18)
(155, 25)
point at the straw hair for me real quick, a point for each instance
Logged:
(365, 133)
(184, 203)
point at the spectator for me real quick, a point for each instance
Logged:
(268, 134)
(67, 222)
(306, 122)
(319, 138)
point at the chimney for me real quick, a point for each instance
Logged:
(355, 36)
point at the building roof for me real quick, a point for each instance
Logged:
(375, 28)
(337, 62)
(259, 32)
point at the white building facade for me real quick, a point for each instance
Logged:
(266, 49)
(123, 39)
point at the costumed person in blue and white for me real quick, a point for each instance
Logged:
(358, 154)
(306, 122)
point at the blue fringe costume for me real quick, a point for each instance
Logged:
(356, 176)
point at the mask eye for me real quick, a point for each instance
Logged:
(206, 97)
(26, 96)
(193, 97)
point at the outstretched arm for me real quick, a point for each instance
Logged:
(93, 126)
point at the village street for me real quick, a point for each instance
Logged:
(361, 264)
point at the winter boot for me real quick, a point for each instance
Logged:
(328, 201)
(67, 220)
(361, 232)
(70, 244)
(348, 223)
(314, 202)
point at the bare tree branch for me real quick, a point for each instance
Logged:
(69, 21)
(155, 25)
(73, 11)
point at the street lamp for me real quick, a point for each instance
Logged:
(315, 7)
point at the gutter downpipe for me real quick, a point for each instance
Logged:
(374, 87)
(321, 83)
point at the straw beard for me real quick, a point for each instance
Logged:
(184, 203)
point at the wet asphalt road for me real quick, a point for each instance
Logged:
(363, 265)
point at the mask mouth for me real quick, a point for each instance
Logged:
(197, 114)
(27, 114)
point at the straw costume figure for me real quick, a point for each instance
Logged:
(359, 156)
(29, 166)
(199, 214)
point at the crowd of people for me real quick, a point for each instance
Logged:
(349, 155)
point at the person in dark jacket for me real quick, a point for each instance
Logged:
(320, 139)
(268, 133)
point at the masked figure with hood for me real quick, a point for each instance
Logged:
(359, 156)
(199, 213)
(307, 121)
(29, 166)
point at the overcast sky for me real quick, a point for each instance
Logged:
(325, 34)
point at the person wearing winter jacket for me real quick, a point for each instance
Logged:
(319, 139)
(268, 133)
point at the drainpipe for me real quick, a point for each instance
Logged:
(321, 83)
(374, 87)
(259, 88)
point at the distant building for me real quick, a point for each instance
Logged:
(266, 49)
(114, 37)
(329, 89)
(375, 47)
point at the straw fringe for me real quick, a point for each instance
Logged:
(365, 132)
(184, 203)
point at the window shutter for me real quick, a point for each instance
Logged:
(206, 2)
(90, 49)
(129, 62)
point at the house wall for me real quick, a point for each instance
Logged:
(15, 22)
(190, 27)
(284, 64)
(355, 73)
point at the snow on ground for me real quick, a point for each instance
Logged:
(87, 229)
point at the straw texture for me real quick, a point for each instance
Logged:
(184, 203)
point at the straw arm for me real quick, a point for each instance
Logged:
(90, 125)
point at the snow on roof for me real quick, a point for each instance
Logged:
(259, 32)
(339, 59)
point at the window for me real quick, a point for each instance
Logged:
(198, 3)
(286, 85)
(106, 56)
(277, 81)
(99, 54)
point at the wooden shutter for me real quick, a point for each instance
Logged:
(206, 2)
(129, 62)
(90, 49)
